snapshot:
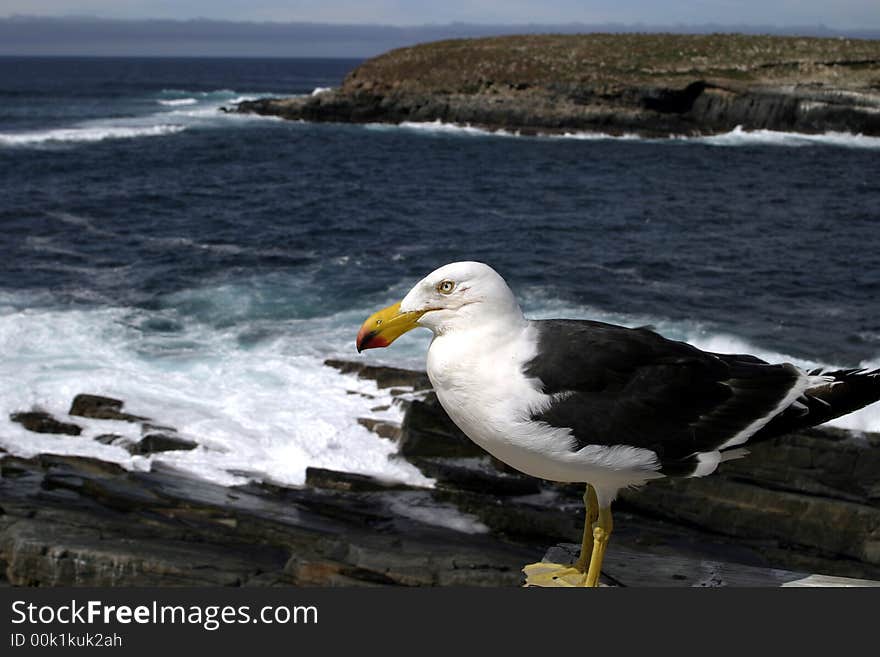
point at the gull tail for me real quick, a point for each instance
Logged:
(831, 395)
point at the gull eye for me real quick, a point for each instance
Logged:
(445, 287)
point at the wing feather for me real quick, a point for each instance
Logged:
(637, 388)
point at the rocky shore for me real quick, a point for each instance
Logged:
(809, 502)
(646, 84)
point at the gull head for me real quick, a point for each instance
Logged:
(457, 296)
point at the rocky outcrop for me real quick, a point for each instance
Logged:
(385, 377)
(808, 502)
(813, 492)
(101, 408)
(42, 422)
(654, 85)
(78, 521)
(156, 438)
(161, 442)
(428, 431)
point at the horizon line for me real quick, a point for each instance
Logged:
(532, 24)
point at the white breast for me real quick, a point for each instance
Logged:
(479, 379)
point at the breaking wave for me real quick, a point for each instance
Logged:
(740, 137)
(175, 102)
(183, 110)
(235, 371)
(86, 134)
(439, 127)
(255, 396)
(736, 137)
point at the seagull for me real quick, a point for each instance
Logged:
(608, 406)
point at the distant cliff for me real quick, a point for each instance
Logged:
(650, 84)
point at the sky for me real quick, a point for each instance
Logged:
(840, 14)
(358, 29)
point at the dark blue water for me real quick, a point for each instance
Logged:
(113, 195)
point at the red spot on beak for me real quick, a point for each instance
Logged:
(367, 339)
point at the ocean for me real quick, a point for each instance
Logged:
(202, 265)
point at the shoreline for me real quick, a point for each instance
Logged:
(648, 85)
(477, 525)
(737, 136)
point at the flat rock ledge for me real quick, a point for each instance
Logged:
(807, 503)
(626, 567)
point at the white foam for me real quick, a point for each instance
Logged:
(439, 127)
(175, 102)
(740, 137)
(592, 136)
(193, 110)
(736, 137)
(254, 395)
(271, 409)
(317, 91)
(86, 134)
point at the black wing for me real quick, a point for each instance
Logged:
(615, 385)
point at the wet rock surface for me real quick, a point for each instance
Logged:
(42, 422)
(161, 442)
(101, 408)
(76, 521)
(807, 502)
(427, 431)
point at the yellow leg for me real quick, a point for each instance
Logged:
(601, 534)
(554, 574)
(591, 508)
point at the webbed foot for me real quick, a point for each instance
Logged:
(553, 574)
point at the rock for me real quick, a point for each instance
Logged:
(806, 502)
(75, 521)
(160, 442)
(93, 405)
(625, 567)
(830, 474)
(349, 481)
(383, 429)
(428, 431)
(62, 549)
(475, 474)
(533, 520)
(42, 422)
(479, 562)
(825, 462)
(651, 84)
(826, 526)
(385, 377)
(108, 438)
(101, 408)
(360, 394)
(148, 427)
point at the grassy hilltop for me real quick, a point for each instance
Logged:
(468, 65)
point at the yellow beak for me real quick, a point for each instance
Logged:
(384, 327)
